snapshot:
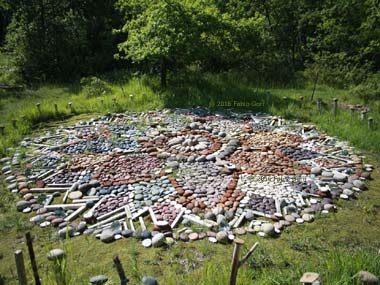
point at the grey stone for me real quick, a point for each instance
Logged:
(56, 253)
(339, 177)
(359, 184)
(148, 280)
(107, 236)
(21, 205)
(222, 237)
(368, 278)
(268, 229)
(210, 216)
(316, 170)
(158, 240)
(308, 218)
(249, 215)
(99, 279)
(221, 220)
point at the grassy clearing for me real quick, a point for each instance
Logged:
(337, 246)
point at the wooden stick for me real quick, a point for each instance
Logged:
(235, 260)
(75, 214)
(120, 271)
(47, 190)
(240, 220)
(64, 206)
(142, 224)
(20, 266)
(249, 253)
(129, 216)
(109, 214)
(29, 243)
(177, 219)
(152, 215)
(140, 213)
(110, 219)
(63, 185)
(198, 221)
(84, 200)
(46, 174)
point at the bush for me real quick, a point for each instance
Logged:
(94, 87)
(336, 70)
(369, 89)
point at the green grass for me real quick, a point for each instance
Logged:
(337, 246)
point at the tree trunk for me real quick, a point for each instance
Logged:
(163, 73)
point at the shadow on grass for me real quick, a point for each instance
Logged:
(225, 90)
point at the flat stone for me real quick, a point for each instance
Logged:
(99, 279)
(368, 278)
(148, 280)
(290, 218)
(308, 218)
(222, 237)
(75, 195)
(359, 184)
(56, 253)
(107, 236)
(316, 170)
(268, 229)
(340, 177)
(158, 240)
(21, 205)
(147, 242)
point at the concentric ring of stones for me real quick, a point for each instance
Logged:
(150, 175)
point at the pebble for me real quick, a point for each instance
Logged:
(368, 278)
(148, 280)
(158, 240)
(56, 253)
(107, 236)
(222, 237)
(268, 229)
(99, 279)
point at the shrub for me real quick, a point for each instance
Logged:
(369, 89)
(94, 86)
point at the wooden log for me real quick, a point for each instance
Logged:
(197, 220)
(257, 213)
(142, 224)
(64, 206)
(29, 243)
(109, 214)
(109, 220)
(75, 214)
(335, 106)
(140, 213)
(249, 253)
(72, 188)
(85, 200)
(240, 220)
(48, 190)
(235, 260)
(177, 219)
(119, 268)
(152, 215)
(233, 221)
(125, 225)
(20, 267)
(47, 173)
(59, 185)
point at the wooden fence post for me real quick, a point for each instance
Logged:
(29, 243)
(335, 106)
(20, 266)
(123, 279)
(301, 101)
(14, 123)
(38, 105)
(370, 123)
(235, 258)
(56, 108)
(2, 130)
(363, 115)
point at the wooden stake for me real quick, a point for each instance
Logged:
(20, 266)
(2, 130)
(38, 105)
(56, 108)
(363, 115)
(14, 123)
(319, 105)
(29, 243)
(235, 260)
(370, 121)
(142, 224)
(335, 106)
(152, 215)
(120, 271)
(177, 219)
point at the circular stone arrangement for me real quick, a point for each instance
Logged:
(151, 175)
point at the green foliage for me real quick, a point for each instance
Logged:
(368, 90)
(94, 86)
